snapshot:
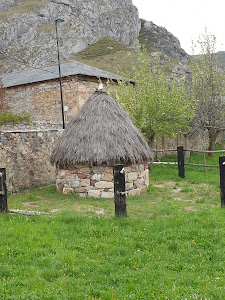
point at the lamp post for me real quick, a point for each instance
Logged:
(59, 20)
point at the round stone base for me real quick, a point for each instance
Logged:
(97, 181)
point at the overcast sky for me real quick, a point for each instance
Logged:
(186, 19)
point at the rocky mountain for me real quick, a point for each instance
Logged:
(28, 38)
(158, 37)
(221, 58)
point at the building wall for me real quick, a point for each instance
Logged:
(42, 99)
(26, 157)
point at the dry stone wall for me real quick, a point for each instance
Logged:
(26, 157)
(97, 182)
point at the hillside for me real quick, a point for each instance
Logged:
(113, 56)
(98, 33)
(221, 58)
(27, 29)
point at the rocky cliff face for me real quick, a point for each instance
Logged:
(158, 37)
(28, 38)
(27, 29)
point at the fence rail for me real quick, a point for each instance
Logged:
(180, 157)
(188, 150)
(181, 171)
(186, 164)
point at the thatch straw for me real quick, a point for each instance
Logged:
(101, 133)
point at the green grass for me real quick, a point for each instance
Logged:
(25, 6)
(171, 245)
(106, 54)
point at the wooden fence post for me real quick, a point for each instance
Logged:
(222, 179)
(3, 191)
(119, 190)
(180, 160)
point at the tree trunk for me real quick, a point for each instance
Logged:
(187, 146)
(151, 141)
(212, 140)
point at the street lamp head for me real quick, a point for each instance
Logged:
(59, 20)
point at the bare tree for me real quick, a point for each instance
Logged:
(207, 88)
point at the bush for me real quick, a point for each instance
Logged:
(9, 117)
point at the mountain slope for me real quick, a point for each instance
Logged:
(98, 33)
(27, 29)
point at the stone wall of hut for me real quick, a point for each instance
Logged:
(97, 182)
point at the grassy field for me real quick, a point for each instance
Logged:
(171, 245)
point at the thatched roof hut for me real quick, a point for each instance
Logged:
(101, 134)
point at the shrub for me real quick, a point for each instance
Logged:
(9, 117)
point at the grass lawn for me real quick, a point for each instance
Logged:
(171, 245)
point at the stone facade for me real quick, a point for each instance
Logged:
(97, 181)
(26, 157)
(42, 99)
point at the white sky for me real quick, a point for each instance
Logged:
(187, 19)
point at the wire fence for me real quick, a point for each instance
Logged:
(204, 165)
(181, 171)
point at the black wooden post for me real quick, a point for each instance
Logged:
(222, 179)
(180, 159)
(3, 191)
(119, 190)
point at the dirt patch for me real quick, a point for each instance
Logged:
(55, 210)
(191, 208)
(180, 199)
(165, 184)
(84, 208)
(31, 204)
(169, 184)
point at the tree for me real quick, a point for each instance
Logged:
(207, 88)
(157, 104)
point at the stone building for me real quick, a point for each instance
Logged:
(37, 91)
(25, 148)
(98, 137)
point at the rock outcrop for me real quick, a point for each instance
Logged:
(27, 31)
(158, 37)
(28, 37)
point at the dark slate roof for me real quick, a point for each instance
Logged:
(52, 72)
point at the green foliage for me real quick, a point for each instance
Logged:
(9, 117)
(157, 105)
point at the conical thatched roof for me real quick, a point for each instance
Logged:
(101, 133)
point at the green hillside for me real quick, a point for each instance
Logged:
(114, 57)
(106, 54)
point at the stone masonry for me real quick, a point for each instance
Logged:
(26, 157)
(97, 182)
(42, 99)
